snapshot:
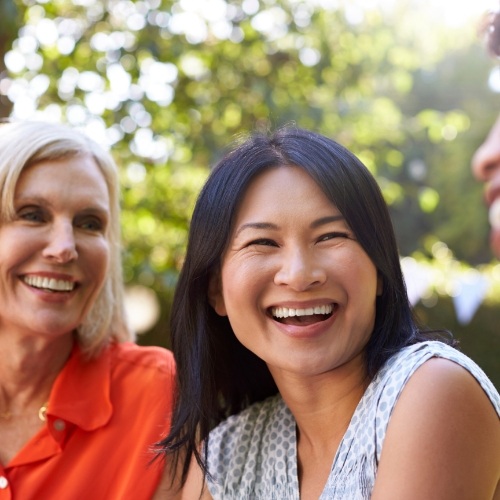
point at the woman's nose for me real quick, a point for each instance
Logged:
(486, 160)
(61, 244)
(300, 270)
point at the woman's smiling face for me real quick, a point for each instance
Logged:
(54, 254)
(298, 289)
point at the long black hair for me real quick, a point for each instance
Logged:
(217, 376)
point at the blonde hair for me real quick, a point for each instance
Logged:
(26, 143)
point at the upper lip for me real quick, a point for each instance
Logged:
(303, 304)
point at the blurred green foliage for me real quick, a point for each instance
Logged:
(479, 340)
(169, 84)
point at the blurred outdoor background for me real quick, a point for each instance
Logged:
(167, 85)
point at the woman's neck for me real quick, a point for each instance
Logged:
(323, 405)
(28, 370)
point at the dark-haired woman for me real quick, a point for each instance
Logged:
(301, 370)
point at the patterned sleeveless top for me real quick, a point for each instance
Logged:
(252, 455)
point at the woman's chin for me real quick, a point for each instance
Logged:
(495, 241)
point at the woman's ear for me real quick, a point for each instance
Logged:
(215, 295)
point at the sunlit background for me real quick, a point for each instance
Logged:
(167, 85)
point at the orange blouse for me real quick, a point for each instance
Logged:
(102, 418)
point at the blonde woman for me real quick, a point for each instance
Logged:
(80, 403)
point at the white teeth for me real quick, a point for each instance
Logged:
(49, 283)
(285, 312)
(494, 214)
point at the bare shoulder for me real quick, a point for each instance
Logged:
(443, 439)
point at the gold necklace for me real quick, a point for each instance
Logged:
(42, 413)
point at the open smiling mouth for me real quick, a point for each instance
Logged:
(49, 284)
(306, 316)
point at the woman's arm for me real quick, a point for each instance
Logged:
(442, 441)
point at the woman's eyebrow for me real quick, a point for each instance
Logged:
(255, 225)
(326, 220)
(269, 225)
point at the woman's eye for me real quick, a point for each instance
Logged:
(92, 224)
(331, 236)
(263, 242)
(31, 214)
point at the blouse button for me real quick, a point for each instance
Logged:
(3, 482)
(59, 425)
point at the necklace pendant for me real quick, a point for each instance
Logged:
(42, 412)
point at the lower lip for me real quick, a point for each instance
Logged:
(46, 296)
(308, 331)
